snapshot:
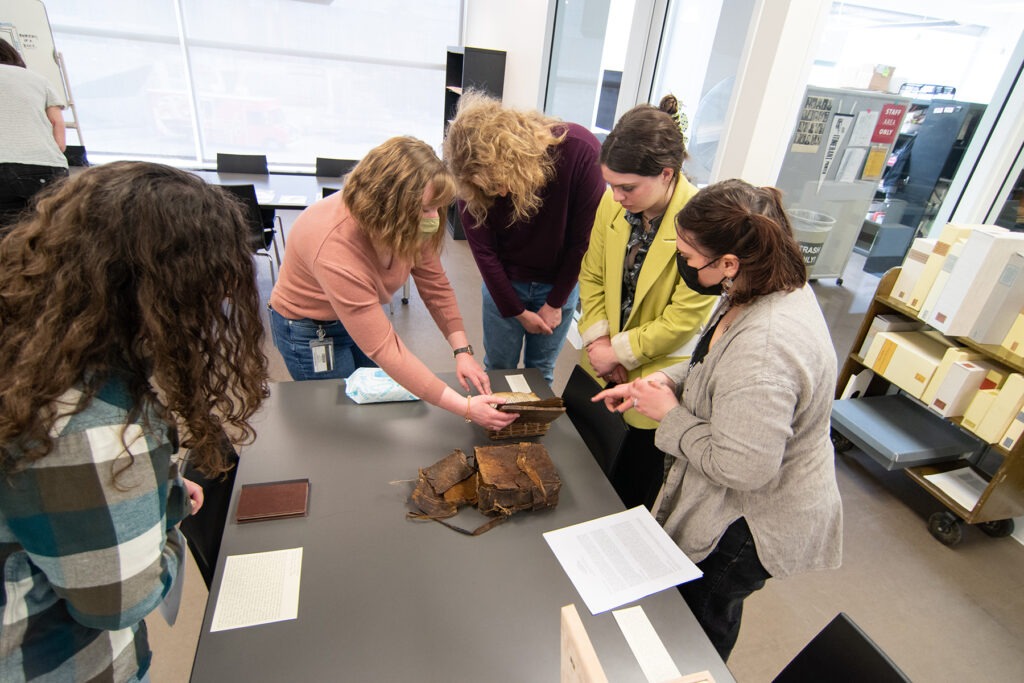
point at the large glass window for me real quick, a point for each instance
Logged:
(700, 55)
(294, 79)
(947, 58)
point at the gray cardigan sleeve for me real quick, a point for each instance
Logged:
(742, 443)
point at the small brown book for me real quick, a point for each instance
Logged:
(273, 500)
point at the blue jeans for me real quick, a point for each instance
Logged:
(505, 339)
(292, 337)
(731, 572)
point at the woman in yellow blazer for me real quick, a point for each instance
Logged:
(638, 315)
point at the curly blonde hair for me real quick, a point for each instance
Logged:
(384, 192)
(135, 270)
(493, 150)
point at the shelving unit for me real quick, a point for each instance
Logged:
(883, 435)
(469, 68)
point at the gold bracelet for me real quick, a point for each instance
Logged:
(469, 407)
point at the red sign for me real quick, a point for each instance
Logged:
(888, 125)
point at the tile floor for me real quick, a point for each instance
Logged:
(943, 614)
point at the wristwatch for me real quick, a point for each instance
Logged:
(463, 349)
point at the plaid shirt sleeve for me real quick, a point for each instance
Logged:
(89, 546)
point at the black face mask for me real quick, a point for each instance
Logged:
(690, 275)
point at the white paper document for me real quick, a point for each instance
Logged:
(620, 558)
(863, 128)
(259, 588)
(964, 485)
(264, 196)
(297, 199)
(518, 383)
(647, 647)
(849, 167)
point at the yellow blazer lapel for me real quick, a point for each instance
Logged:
(614, 257)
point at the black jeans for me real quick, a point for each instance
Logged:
(18, 184)
(731, 572)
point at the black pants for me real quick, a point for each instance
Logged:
(640, 469)
(18, 184)
(731, 572)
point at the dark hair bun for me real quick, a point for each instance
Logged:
(669, 104)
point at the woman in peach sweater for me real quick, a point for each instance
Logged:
(349, 253)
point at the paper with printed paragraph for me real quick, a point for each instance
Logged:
(258, 588)
(620, 558)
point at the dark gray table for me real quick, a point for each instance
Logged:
(282, 184)
(387, 599)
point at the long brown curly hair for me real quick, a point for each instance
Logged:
(138, 270)
(493, 150)
(384, 192)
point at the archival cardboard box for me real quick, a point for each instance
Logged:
(907, 359)
(972, 279)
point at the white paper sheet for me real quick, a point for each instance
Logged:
(259, 588)
(964, 485)
(863, 128)
(297, 199)
(849, 167)
(264, 196)
(647, 647)
(518, 383)
(620, 558)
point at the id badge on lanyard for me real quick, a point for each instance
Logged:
(322, 349)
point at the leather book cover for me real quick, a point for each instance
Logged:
(531, 408)
(273, 500)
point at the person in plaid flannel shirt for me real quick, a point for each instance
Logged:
(129, 314)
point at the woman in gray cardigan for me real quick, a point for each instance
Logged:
(750, 491)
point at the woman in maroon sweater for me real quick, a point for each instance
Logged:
(529, 186)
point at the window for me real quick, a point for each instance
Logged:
(294, 79)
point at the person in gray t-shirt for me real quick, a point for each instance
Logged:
(32, 137)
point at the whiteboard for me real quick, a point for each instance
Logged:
(24, 24)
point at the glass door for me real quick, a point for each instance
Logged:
(598, 51)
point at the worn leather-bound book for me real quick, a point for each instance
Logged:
(535, 414)
(516, 477)
(273, 500)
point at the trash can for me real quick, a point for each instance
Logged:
(811, 229)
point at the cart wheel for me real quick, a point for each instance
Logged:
(839, 281)
(840, 442)
(999, 528)
(945, 527)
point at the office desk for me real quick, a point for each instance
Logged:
(287, 187)
(384, 598)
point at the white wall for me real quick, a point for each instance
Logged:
(518, 28)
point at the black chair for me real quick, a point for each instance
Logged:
(255, 164)
(75, 154)
(242, 163)
(604, 432)
(262, 236)
(334, 168)
(203, 530)
(841, 653)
